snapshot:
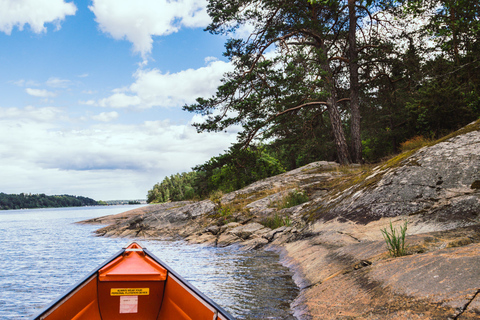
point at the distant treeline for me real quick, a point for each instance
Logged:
(225, 173)
(30, 201)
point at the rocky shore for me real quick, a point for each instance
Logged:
(334, 242)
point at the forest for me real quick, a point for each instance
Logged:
(31, 201)
(338, 80)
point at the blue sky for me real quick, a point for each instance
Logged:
(91, 94)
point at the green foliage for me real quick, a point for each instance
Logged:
(216, 196)
(264, 94)
(295, 144)
(410, 86)
(224, 214)
(177, 187)
(395, 240)
(224, 211)
(448, 96)
(447, 102)
(29, 201)
(231, 171)
(292, 199)
(276, 221)
(376, 148)
(236, 169)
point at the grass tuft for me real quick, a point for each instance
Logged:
(216, 196)
(292, 199)
(415, 143)
(276, 221)
(395, 240)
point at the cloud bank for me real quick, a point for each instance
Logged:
(41, 93)
(138, 22)
(15, 13)
(153, 88)
(101, 153)
(43, 150)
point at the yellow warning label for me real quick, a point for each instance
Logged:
(130, 292)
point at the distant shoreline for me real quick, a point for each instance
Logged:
(43, 201)
(37, 201)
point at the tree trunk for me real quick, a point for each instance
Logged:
(335, 118)
(338, 133)
(354, 84)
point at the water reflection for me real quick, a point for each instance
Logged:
(44, 253)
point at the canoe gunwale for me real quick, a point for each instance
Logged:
(219, 311)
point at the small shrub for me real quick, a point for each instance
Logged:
(292, 199)
(395, 240)
(216, 196)
(225, 211)
(223, 220)
(414, 143)
(276, 222)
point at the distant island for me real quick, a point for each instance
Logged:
(31, 201)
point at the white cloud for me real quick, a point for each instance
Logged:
(34, 13)
(120, 100)
(40, 93)
(25, 83)
(108, 160)
(106, 116)
(58, 83)
(88, 102)
(244, 31)
(31, 113)
(139, 21)
(154, 88)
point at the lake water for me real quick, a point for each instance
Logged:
(44, 253)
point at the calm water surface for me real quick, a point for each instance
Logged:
(44, 253)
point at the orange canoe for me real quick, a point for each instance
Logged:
(133, 285)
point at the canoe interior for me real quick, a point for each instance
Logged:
(134, 285)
